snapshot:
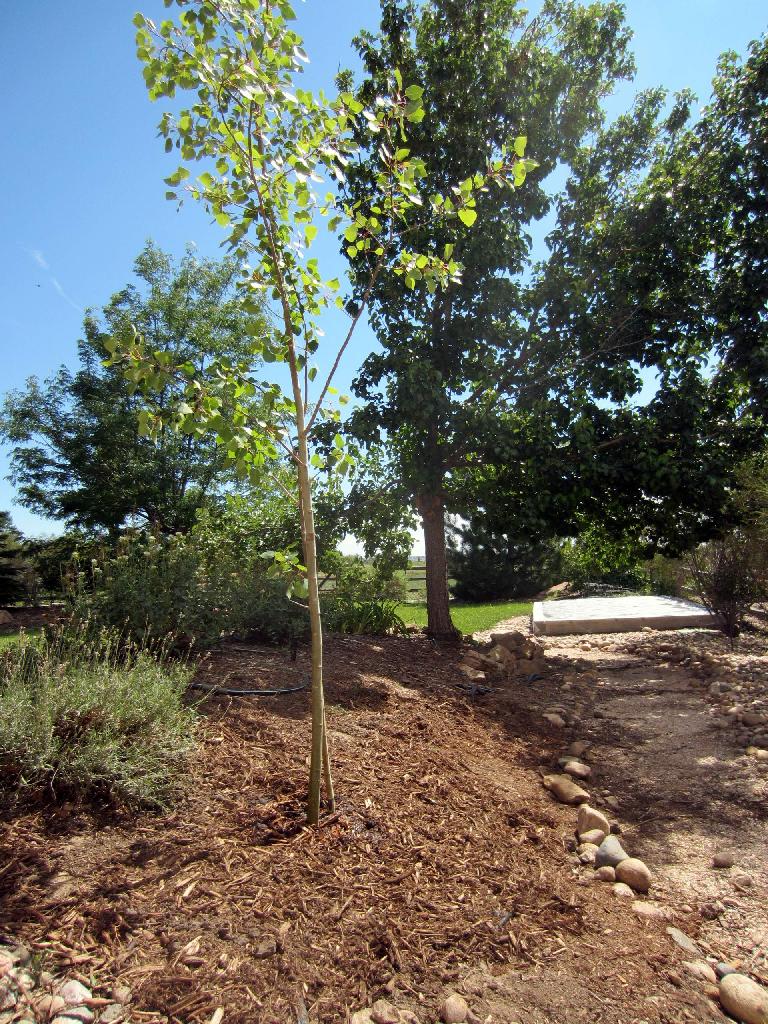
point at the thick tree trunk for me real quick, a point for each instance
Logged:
(432, 510)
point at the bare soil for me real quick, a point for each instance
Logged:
(446, 866)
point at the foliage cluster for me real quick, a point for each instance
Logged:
(596, 558)
(730, 574)
(487, 565)
(91, 717)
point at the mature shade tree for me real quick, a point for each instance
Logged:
(79, 454)
(517, 382)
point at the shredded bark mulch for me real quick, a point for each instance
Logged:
(444, 864)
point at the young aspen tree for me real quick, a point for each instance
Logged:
(270, 153)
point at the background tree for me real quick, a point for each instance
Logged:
(518, 382)
(11, 561)
(79, 454)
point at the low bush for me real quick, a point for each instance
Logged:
(730, 575)
(363, 599)
(92, 718)
(595, 558)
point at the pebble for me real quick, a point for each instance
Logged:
(590, 818)
(711, 910)
(593, 835)
(622, 890)
(112, 1014)
(84, 1014)
(73, 993)
(723, 860)
(722, 969)
(565, 789)
(587, 853)
(744, 999)
(613, 802)
(741, 881)
(649, 911)
(121, 994)
(383, 1012)
(579, 747)
(554, 719)
(605, 874)
(684, 942)
(634, 872)
(610, 852)
(578, 770)
(455, 1009)
(700, 969)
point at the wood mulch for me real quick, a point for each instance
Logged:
(444, 865)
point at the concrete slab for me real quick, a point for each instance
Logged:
(618, 615)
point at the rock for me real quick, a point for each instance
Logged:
(605, 874)
(455, 1009)
(73, 993)
(554, 719)
(744, 999)
(613, 802)
(361, 1017)
(711, 910)
(593, 835)
(700, 969)
(587, 853)
(742, 881)
(722, 969)
(649, 911)
(579, 748)
(6, 619)
(578, 770)
(686, 944)
(266, 947)
(84, 1014)
(723, 860)
(590, 818)
(565, 789)
(634, 872)
(112, 1014)
(49, 1006)
(122, 994)
(383, 1012)
(511, 639)
(611, 852)
(623, 891)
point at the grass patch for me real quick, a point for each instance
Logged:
(91, 718)
(9, 639)
(469, 618)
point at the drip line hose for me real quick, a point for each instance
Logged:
(226, 691)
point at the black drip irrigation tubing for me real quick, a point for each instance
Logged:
(226, 691)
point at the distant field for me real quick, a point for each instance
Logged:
(469, 618)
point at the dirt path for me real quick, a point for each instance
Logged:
(671, 764)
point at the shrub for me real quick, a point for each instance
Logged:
(597, 558)
(488, 566)
(94, 719)
(730, 575)
(363, 599)
(666, 576)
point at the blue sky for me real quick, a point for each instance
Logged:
(82, 170)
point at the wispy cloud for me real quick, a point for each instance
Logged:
(39, 258)
(63, 294)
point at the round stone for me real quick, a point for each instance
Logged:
(589, 818)
(634, 872)
(455, 1009)
(623, 891)
(744, 999)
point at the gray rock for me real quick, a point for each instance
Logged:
(605, 874)
(722, 969)
(610, 853)
(684, 942)
(122, 994)
(741, 881)
(83, 1014)
(744, 999)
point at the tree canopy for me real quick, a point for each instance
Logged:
(79, 453)
(513, 389)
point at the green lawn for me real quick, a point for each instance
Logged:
(469, 618)
(11, 638)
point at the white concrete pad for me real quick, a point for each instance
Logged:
(618, 615)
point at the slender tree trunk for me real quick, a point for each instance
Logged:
(432, 510)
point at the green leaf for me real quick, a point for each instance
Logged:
(311, 232)
(519, 145)
(467, 216)
(414, 92)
